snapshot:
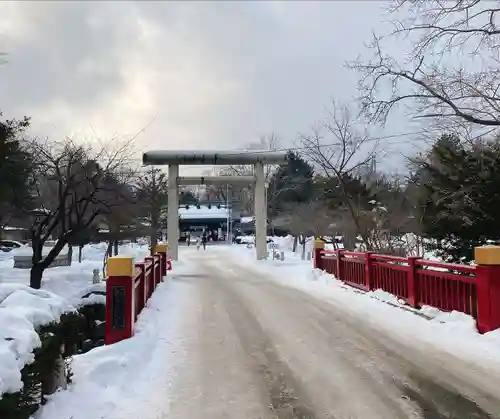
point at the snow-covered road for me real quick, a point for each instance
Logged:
(258, 349)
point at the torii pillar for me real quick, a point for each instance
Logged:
(260, 211)
(173, 212)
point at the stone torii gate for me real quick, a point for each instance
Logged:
(175, 158)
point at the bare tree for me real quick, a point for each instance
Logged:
(453, 69)
(152, 189)
(310, 219)
(337, 149)
(74, 186)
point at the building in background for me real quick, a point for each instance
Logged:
(214, 217)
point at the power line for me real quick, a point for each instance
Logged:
(333, 144)
(395, 137)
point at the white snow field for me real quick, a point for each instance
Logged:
(227, 336)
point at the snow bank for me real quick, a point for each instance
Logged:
(23, 309)
(454, 332)
(132, 378)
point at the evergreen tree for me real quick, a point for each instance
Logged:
(460, 195)
(15, 168)
(291, 183)
(187, 197)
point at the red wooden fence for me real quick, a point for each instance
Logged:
(128, 288)
(420, 282)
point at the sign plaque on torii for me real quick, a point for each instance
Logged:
(174, 159)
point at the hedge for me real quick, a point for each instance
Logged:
(75, 333)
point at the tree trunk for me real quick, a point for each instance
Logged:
(70, 254)
(115, 247)
(295, 242)
(36, 271)
(349, 242)
(303, 254)
(80, 254)
(109, 250)
(36, 274)
(153, 237)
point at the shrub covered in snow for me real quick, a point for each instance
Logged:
(35, 326)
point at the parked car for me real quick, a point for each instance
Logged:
(10, 244)
(248, 240)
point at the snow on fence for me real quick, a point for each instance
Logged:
(128, 288)
(474, 290)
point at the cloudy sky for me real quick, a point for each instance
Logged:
(193, 74)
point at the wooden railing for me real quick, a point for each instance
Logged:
(474, 290)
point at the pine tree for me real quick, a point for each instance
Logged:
(460, 196)
(291, 183)
(15, 168)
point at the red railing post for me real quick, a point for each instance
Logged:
(340, 265)
(162, 250)
(150, 269)
(119, 299)
(319, 246)
(157, 268)
(413, 293)
(147, 292)
(488, 287)
(369, 271)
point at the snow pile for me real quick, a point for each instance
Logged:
(22, 309)
(453, 332)
(132, 378)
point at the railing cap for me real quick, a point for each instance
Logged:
(121, 266)
(319, 244)
(487, 255)
(161, 248)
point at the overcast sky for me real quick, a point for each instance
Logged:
(197, 75)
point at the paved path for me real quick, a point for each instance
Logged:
(260, 350)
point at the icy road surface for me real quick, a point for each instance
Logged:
(257, 349)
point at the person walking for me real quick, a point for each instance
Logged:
(204, 239)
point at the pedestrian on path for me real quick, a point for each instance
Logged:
(204, 240)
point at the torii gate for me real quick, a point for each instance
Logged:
(175, 158)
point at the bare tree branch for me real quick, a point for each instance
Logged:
(430, 82)
(337, 149)
(74, 188)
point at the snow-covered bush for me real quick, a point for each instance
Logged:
(39, 333)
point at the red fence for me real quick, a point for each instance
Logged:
(128, 288)
(420, 282)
